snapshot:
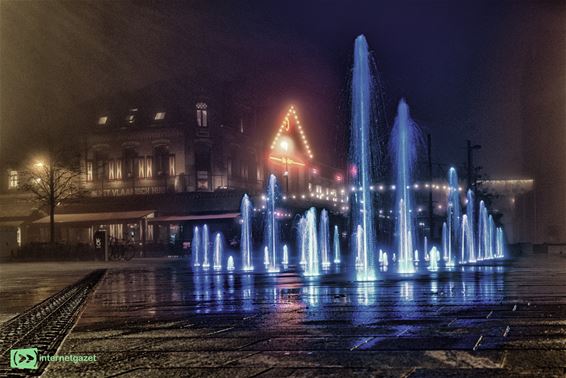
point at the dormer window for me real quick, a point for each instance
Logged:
(202, 115)
(159, 116)
(13, 180)
(103, 120)
(131, 118)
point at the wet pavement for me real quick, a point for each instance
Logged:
(158, 318)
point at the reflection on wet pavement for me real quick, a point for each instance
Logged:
(507, 319)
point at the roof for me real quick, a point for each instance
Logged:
(178, 218)
(98, 217)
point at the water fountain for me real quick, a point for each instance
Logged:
(404, 140)
(491, 226)
(271, 225)
(453, 214)
(285, 255)
(230, 264)
(464, 238)
(471, 229)
(246, 234)
(205, 247)
(434, 257)
(311, 244)
(301, 242)
(218, 250)
(336, 245)
(362, 158)
(361, 252)
(445, 251)
(266, 257)
(483, 234)
(196, 247)
(324, 239)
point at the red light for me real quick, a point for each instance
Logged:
(354, 171)
(338, 178)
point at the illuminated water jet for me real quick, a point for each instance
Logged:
(246, 234)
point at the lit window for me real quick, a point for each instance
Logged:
(148, 166)
(202, 114)
(241, 125)
(89, 171)
(13, 182)
(118, 169)
(111, 170)
(159, 116)
(171, 165)
(141, 167)
(131, 118)
(103, 120)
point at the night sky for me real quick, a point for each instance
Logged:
(461, 65)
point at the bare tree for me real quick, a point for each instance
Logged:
(52, 182)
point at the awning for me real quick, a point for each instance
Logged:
(10, 224)
(181, 218)
(98, 217)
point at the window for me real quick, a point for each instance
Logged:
(148, 166)
(202, 115)
(130, 160)
(118, 169)
(171, 165)
(141, 167)
(131, 118)
(202, 165)
(89, 171)
(159, 116)
(241, 125)
(161, 160)
(111, 170)
(100, 165)
(103, 120)
(13, 181)
(149, 236)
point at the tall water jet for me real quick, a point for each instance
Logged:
(361, 252)
(271, 225)
(205, 247)
(463, 238)
(336, 245)
(218, 250)
(246, 234)
(471, 229)
(483, 232)
(454, 210)
(491, 225)
(285, 260)
(500, 243)
(301, 240)
(311, 244)
(405, 241)
(196, 247)
(324, 239)
(363, 157)
(404, 141)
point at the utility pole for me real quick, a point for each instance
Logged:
(471, 168)
(430, 206)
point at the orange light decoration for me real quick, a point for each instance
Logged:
(286, 160)
(286, 125)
